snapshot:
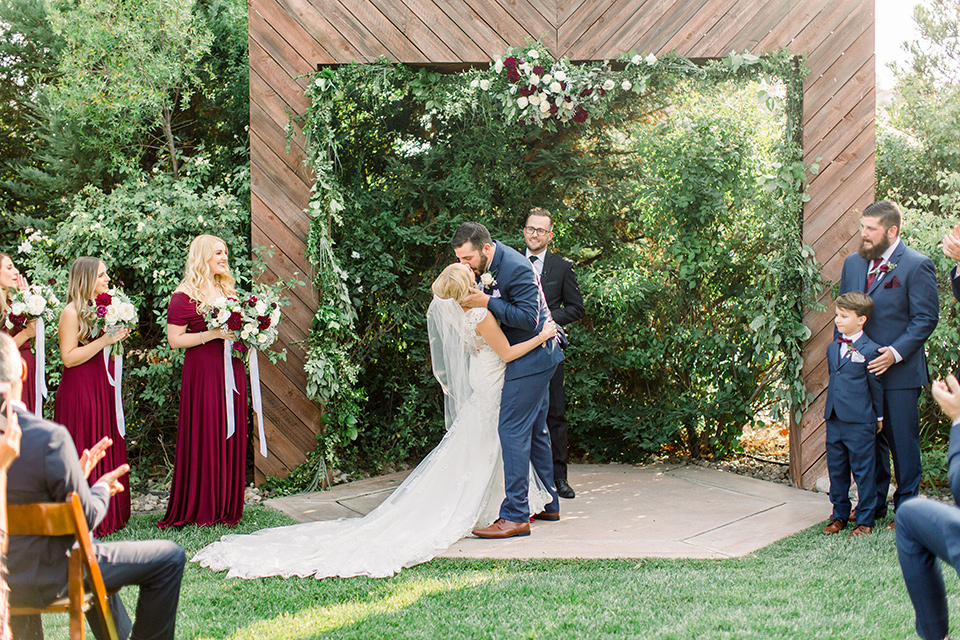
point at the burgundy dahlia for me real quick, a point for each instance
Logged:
(580, 115)
(539, 70)
(528, 90)
(101, 311)
(264, 322)
(235, 321)
(513, 75)
(104, 299)
(511, 63)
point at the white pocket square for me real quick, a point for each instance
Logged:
(856, 357)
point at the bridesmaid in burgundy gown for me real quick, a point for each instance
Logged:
(85, 397)
(11, 279)
(210, 468)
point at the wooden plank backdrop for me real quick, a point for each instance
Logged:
(289, 38)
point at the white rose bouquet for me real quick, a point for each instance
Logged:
(225, 314)
(35, 302)
(261, 315)
(112, 311)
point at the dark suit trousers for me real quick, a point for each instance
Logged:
(525, 440)
(926, 531)
(851, 447)
(557, 424)
(156, 566)
(900, 438)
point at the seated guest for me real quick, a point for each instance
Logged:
(47, 470)
(9, 450)
(928, 530)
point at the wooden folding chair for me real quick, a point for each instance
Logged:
(66, 519)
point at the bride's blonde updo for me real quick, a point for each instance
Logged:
(196, 273)
(453, 282)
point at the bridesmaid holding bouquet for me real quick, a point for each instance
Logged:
(85, 402)
(10, 280)
(210, 463)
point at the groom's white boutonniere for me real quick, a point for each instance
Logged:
(487, 280)
(881, 269)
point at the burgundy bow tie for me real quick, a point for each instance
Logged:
(842, 340)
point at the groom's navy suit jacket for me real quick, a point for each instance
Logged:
(906, 308)
(521, 310)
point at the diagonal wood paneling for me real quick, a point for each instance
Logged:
(292, 37)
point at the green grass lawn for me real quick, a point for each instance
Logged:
(807, 586)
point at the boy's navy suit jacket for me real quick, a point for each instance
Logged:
(853, 394)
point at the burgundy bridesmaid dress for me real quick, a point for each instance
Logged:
(209, 468)
(85, 406)
(30, 384)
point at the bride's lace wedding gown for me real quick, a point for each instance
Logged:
(457, 487)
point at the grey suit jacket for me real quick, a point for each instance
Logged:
(47, 470)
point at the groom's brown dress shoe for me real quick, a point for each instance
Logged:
(553, 516)
(836, 526)
(503, 529)
(860, 530)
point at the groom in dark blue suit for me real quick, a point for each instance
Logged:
(902, 283)
(511, 292)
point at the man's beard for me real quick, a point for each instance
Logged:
(876, 251)
(483, 263)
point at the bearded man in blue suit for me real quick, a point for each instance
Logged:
(902, 283)
(512, 293)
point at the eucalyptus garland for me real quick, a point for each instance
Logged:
(527, 87)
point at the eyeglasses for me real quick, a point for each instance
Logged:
(534, 231)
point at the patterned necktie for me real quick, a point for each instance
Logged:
(872, 274)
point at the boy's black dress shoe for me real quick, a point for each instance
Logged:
(564, 490)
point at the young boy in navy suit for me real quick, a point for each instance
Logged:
(854, 411)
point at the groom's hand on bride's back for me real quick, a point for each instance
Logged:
(474, 300)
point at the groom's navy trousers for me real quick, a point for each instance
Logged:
(525, 440)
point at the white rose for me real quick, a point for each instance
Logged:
(498, 65)
(17, 309)
(534, 79)
(484, 84)
(637, 59)
(547, 79)
(651, 59)
(474, 83)
(486, 279)
(128, 313)
(533, 53)
(35, 305)
(261, 307)
(560, 76)
(223, 316)
(626, 85)
(555, 87)
(522, 102)
(545, 106)
(113, 315)
(275, 317)
(219, 303)
(608, 85)
(525, 67)
(535, 99)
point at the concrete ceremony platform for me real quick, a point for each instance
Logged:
(621, 511)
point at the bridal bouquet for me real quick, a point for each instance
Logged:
(225, 314)
(35, 302)
(111, 311)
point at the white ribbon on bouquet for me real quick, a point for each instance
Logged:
(230, 387)
(114, 381)
(40, 379)
(257, 399)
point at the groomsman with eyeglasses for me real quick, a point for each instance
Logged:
(563, 297)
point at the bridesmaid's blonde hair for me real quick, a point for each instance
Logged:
(453, 282)
(196, 273)
(81, 283)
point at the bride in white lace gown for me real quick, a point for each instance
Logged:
(457, 487)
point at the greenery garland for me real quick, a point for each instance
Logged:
(528, 88)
